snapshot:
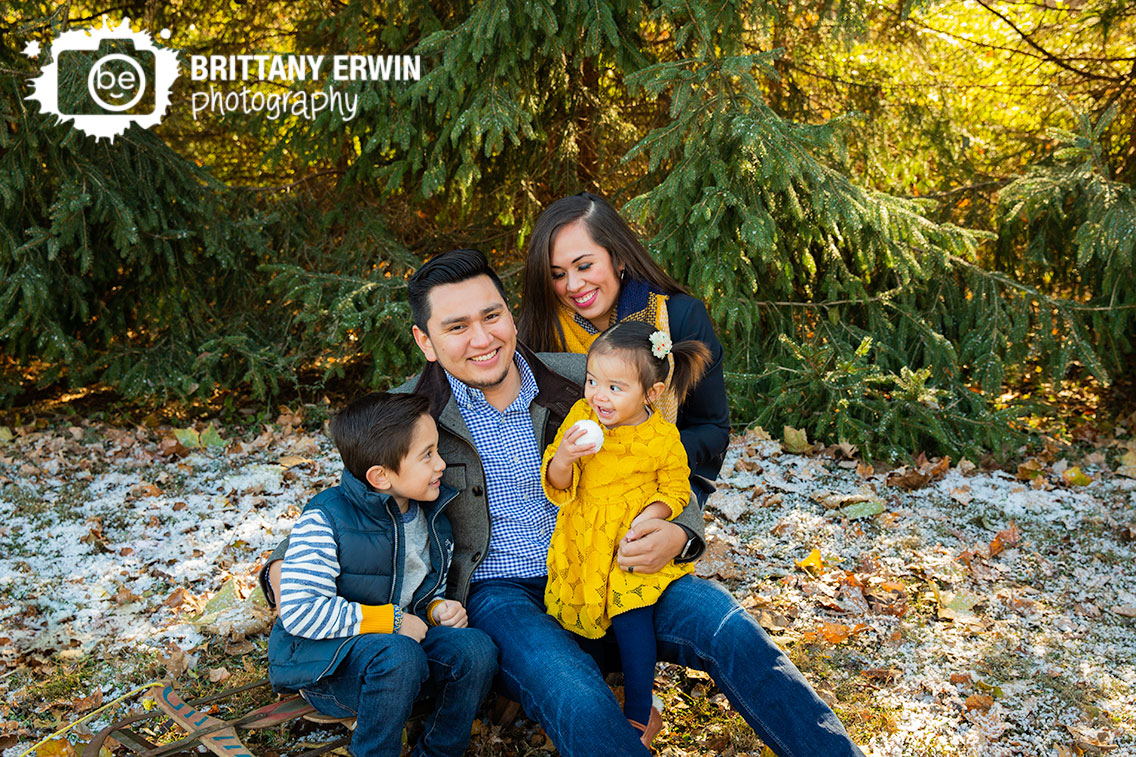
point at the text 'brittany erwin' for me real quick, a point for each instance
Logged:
(305, 67)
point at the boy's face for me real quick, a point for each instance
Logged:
(471, 333)
(420, 472)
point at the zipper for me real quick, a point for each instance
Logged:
(433, 536)
(334, 657)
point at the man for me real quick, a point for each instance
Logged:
(497, 406)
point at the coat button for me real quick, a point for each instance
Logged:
(477, 491)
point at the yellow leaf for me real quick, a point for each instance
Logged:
(757, 434)
(1127, 462)
(813, 562)
(1075, 477)
(291, 461)
(796, 441)
(6, 434)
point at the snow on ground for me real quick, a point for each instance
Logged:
(978, 615)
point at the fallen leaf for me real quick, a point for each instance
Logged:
(188, 437)
(718, 560)
(1029, 470)
(177, 597)
(965, 466)
(796, 441)
(887, 675)
(211, 438)
(862, 510)
(979, 702)
(960, 678)
(757, 434)
(908, 478)
(88, 703)
(838, 633)
(177, 662)
(216, 675)
(1128, 463)
(1075, 477)
(863, 470)
(812, 563)
(6, 434)
(1127, 611)
(962, 495)
(56, 748)
(957, 605)
(1005, 538)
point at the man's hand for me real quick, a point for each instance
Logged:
(413, 626)
(650, 544)
(450, 613)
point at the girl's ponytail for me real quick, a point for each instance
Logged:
(691, 359)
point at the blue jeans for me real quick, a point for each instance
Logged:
(384, 674)
(697, 624)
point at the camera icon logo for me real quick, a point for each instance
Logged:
(107, 79)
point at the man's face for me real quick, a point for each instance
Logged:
(470, 332)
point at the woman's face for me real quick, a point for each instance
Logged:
(583, 276)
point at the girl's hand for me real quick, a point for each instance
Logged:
(571, 448)
(569, 451)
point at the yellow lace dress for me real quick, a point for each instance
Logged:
(637, 465)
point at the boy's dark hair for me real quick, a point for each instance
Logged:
(633, 338)
(448, 268)
(377, 429)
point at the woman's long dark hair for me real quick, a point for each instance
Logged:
(538, 326)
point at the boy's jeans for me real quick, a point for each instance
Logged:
(697, 624)
(383, 675)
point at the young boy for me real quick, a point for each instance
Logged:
(364, 627)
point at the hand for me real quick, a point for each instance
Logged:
(412, 626)
(560, 466)
(650, 545)
(274, 569)
(451, 613)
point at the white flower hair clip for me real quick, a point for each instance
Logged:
(660, 344)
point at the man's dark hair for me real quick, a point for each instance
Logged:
(448, 268)
(377, 429)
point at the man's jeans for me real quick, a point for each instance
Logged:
(384, 673)
(697, 624)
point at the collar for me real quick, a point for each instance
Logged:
(553, 390)
(369, 500)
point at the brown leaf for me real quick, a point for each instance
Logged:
(1127, 611)
(979, 702)
(908, 478)
(216, 675)
(718, 560)
(1029, 470)
(887, 675)
(177, 597)
(1006, 538)
(863, 470)
(60, 747)
(177, 662)
(960, 678)
(125, 596)
(145, 490)
(87, 703)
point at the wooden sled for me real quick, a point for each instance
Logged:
(218, 736)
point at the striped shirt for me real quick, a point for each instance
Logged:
(521, 517)
(309, 605)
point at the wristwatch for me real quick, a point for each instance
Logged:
(691, 549)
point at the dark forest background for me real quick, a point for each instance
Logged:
(914, 224)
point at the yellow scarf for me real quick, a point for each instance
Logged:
(579, 338)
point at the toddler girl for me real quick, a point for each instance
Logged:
(639, 471)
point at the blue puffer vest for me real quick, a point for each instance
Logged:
(371, 550)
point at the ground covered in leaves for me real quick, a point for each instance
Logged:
(942, 609)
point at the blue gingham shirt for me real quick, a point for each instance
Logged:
(521, 517)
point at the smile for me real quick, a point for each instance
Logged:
(487, 357)
(586, 299)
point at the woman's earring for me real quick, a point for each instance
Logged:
(622, 272)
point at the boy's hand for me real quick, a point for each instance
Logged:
(451, 613)
(413, 626)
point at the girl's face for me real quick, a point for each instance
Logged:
(615, 392)
(583, 276)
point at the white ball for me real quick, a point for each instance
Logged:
(593, 434)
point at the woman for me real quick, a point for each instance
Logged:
(586, 271)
